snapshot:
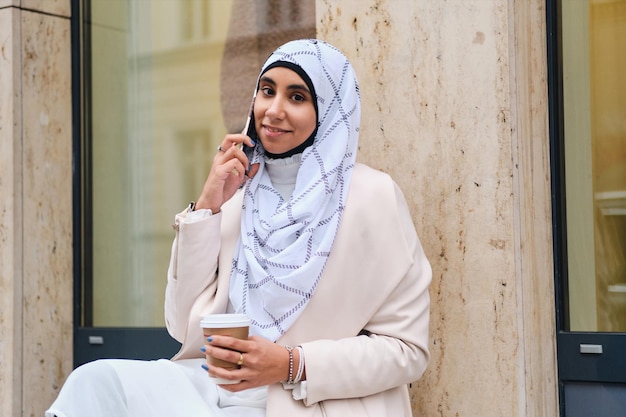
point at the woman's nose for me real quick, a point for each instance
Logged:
(276, 110)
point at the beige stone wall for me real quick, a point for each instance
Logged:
(455, 109)
(35, 204)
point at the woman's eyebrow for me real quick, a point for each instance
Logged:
(268, 80)
(298, 87)
(302, 87)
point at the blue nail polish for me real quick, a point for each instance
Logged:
(253, 142)
(205, 367)
(209, 339)
(202, 348)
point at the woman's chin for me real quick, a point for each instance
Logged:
(272, 148)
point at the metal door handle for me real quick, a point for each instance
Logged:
(595, 349)
(96, 340)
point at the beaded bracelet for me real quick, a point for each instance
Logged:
(290, 378)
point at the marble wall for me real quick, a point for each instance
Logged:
(35, 204)
(454, 108)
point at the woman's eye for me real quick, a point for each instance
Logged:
(298, 97)
(268, 91)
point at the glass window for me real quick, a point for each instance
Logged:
(594, 120)
(166, 80)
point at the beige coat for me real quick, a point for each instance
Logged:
(376, 279)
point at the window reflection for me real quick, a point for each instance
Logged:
(594, 96)
(169, 79)
(607, 20)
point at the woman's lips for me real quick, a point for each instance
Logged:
(273, 131)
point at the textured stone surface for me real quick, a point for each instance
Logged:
(47, 204)
(440, 113)
(8, 3)
(35, 209)
(10, 223)
(56, 7)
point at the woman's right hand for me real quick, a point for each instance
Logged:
(228, 172)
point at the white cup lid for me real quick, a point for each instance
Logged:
(216, 321)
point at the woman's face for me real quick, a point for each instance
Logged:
(283, 110)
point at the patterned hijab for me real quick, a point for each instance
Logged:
(284, 244)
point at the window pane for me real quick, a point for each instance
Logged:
(168, 80)
(594, 97)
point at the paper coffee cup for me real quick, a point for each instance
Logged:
(234, 325)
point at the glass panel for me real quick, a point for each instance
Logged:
(594, 97)
(159, 71)
(592, 399)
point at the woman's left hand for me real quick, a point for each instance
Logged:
(264, 362)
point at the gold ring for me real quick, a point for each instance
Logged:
(240, 361)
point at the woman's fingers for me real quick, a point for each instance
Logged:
(234, 351)
(227, 154)
(228, 343)
(228, 172)
(231, 356)
(234, 142)
(230, 167)
(262, 362)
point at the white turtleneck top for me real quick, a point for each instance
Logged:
(283, 173)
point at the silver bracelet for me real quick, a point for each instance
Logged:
(290, 377)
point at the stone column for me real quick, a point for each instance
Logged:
(454, 107)
(35, 204)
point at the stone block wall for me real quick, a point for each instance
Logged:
(35, 204)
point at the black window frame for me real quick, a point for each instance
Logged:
(573, 366)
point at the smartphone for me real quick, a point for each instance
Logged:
(250, 131)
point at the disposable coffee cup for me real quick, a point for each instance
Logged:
(234, 325)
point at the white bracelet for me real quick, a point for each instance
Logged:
(300, 365)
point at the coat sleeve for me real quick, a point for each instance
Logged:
(192, 271)
(396, 350)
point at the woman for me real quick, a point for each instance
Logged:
(318, 251)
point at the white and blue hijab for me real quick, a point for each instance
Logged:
(284, 244)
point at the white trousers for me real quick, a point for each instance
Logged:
(133, 388)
